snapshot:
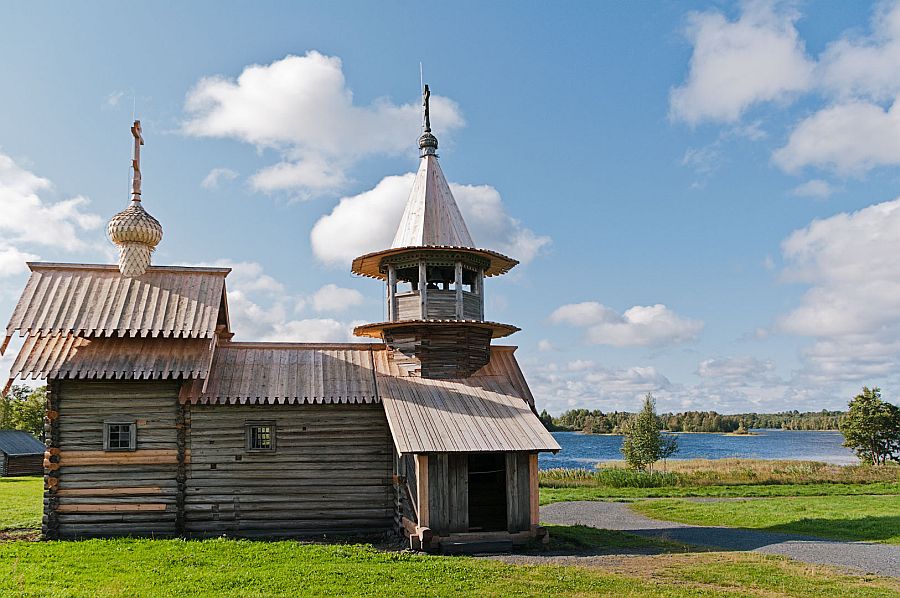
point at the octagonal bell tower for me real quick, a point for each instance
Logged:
(435, 280)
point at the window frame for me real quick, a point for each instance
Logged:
(248, 434)
(132, 435)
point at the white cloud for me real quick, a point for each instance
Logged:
(639, 326)
(850, 138)
(545, 345)
(262, 309)
(367, 222)
(334, 298)
(216, 176)
(852, 305)
(302, 107)
(735, 369)
(866, 66)
(12, 261)
(28, 219)
(757, 58)
(815, 188)
(561, 388)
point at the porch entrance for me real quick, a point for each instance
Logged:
(487, 492)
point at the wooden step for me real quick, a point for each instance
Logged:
(476, 546)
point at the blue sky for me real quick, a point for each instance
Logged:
(703, 195)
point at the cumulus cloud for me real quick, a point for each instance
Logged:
(816, 188)
(32, 223)
(302, 107)
(738, 63)
(12, 261)
(217, 176)
(367, 222)
(866, 65)
(334, 298)
(735, 369)
(852, 304)
(849, 138)
(29, 219)
(262, 309)
(561, 387)
(639, 326)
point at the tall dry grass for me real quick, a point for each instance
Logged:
(720, 472)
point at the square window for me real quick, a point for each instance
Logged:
(261, 436)
(119, 436)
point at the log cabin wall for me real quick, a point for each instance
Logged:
(18, 465)
(111, 493)
(2, 464)
(330, 472)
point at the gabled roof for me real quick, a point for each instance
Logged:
(96, 300)
(279, 373)
(68, 356)
(431, 216)
(17, 442)
(489, 411)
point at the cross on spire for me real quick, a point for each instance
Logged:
(427, 95)
(136, 162)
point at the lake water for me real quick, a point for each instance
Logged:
(584, 451)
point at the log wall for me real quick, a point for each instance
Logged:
(92, 492)
(331, 472)
(21, 465)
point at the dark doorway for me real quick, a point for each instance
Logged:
(487, 492)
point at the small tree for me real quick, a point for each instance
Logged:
(872, 428)
(668, 446)
(641, 446)
(23, 409)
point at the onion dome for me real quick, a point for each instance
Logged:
(136, 232)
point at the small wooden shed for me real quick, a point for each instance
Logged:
(20, 454)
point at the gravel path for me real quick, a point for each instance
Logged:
(881, 559)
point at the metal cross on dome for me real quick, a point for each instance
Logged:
(136, 162)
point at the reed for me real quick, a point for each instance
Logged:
(719, 472)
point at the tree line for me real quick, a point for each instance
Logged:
(614, 422)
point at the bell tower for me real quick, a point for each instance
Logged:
(435, 280)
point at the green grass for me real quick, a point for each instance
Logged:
(551, 495)
(20, 502)
(581, 538)
(243, 568)
(871, 518)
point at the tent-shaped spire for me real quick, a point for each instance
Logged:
(432, 217)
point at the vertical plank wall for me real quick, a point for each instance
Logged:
(518, 492)
(101, 493)
(330, 473)
(448, 493)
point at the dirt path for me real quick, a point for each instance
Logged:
(881, 559)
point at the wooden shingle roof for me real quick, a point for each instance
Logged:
(66, 356)
(489, 411)
(97, 301)
(278, 373)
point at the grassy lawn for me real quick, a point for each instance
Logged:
(243, 568)
(130, 567)
(871, 518)
(551, 495)
(20, 502)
